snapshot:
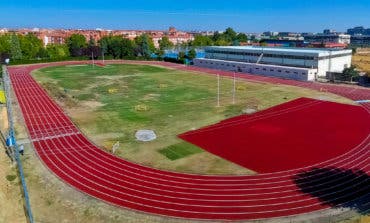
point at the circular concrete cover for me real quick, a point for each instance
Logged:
(145, 135)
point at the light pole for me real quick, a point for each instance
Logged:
(218, 90)
(234, 86)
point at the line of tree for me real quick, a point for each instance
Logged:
(29, 47)
(228, 38)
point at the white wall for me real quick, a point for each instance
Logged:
(303, 74)
(337, 64)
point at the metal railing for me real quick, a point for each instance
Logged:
(11, 135)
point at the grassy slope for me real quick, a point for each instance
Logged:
(362, 61)
(175, 102)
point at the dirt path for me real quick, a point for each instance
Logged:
(11, 202)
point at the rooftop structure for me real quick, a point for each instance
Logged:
(359, 30)
(360, 40)
(328, 38)
(317, 62)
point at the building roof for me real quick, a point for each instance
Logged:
(293, 50)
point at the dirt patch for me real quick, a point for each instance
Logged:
(150, 97)
(11, 202)
(60, 95)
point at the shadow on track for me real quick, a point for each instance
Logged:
(337, 187)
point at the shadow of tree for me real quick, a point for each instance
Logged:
(337, 187)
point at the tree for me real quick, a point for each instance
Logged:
(236, 43)
(76, 43)
(145, 45)
(216, 36)
(91, 41)
(160, 53)
(5, 43)
(165, 43)
(127, 48)
(192, 54)
(200, 40)
(181, 56)
(115, 46)
(57, 51)
(104, 44)
(30, 45)
(349, 73)
(241, 37)
(93, 52)
(222, 42)
(229, 35)
(15, 47)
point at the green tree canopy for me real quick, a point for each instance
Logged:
(229, 35)
(128, 48)
(115, 46)
(92, 42)
(145, 45)
(241, 37)
(349, 73)
(165, 43)
(5, 43)
(200, 40)
(15, 47)
(76, 43)
(57, 51)
(31, 46)
(192, 54)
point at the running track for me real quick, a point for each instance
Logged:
(78, 162)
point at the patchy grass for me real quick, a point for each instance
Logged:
(180, 150)
(170, 102)
(11, 177)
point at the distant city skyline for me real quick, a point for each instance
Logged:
(243, 16)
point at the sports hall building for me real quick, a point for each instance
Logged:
(305, 64)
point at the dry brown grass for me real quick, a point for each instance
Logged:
(362, 62)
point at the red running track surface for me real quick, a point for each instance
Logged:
(79, 163)
(296, 134)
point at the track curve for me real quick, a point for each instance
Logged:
(78, 162)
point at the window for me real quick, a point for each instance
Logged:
(279, 71)
(264, 69)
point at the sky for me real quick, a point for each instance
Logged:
(242, 15)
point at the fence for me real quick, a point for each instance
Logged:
(11, 135)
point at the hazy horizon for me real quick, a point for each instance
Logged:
(243, 16)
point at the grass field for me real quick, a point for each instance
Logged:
(362, 62)
(111, 103)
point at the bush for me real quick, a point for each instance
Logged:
(173, 60)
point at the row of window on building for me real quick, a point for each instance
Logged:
(256, 68)
(285, 56)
